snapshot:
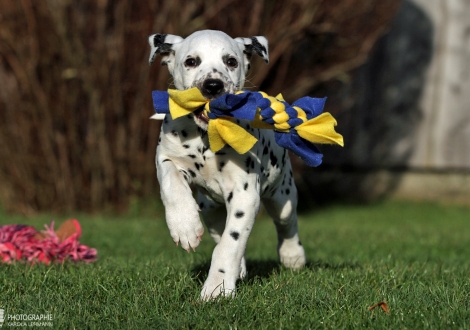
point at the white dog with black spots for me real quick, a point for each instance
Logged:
(230, 186)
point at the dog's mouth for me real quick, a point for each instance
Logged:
(199, 113)
(211, 89)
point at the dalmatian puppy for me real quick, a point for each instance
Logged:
(230, 186)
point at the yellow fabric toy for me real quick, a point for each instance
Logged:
(296, 127)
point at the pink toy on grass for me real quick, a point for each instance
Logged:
(25, 243)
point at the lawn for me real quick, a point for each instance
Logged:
(414, 257)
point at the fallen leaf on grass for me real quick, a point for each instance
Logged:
(382, 305)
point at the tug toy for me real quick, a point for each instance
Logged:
(296, 127)
(25, 243)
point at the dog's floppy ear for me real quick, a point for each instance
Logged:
(162, 44)
(255, 45)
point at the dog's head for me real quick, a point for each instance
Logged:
(209, 60)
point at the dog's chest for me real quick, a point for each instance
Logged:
(187, 146)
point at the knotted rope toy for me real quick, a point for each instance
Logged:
(25, 243)
(296, 127)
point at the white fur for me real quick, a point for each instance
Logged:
(230, 186)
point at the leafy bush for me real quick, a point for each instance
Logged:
(75, 95)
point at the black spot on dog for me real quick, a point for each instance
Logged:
(159, 139)
(166, 160)
(183, 132)
(300, 243)
(159, 40)
(229, 198)
(287, 191)
(175, 133)
(258, 48)
(235, 235)
(197, 166)
(265, 151)
(245, 186)
(185, 174)
(186, 146)
(221, 165)
(273, 159)
(201, 205)
(192, 156)
(222, 271)
(247, 161)
(192, 173)
(239, 214)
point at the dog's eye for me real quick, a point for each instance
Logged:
(232, 62)
(190, 62)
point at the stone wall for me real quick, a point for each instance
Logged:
(443, 137)
(405, 113)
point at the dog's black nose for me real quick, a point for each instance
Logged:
(213, 86)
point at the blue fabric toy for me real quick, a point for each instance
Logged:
(296, 127)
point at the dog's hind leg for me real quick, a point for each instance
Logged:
(215, 216)
(282, 207)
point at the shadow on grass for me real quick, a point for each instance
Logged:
(266, 268)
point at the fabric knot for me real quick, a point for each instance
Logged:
(297, 127)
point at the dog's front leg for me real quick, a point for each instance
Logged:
(242, 202)
(181, 210)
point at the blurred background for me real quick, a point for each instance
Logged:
(75, 95)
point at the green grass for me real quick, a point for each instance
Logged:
(415, 257)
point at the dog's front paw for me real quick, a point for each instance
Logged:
(216, 286)
(185, 228)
